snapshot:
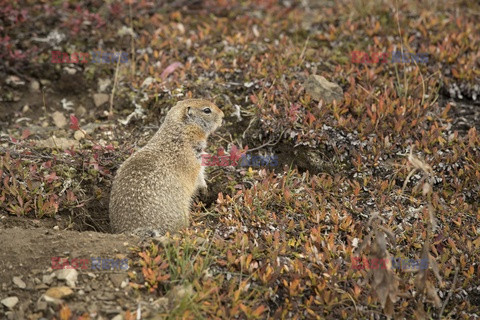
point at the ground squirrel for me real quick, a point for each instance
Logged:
(153, 189)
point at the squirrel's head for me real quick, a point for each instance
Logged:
(201, 112)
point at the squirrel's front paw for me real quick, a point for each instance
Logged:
(203, 190)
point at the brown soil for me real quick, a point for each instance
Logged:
(27, 252)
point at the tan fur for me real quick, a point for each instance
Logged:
(153, 189)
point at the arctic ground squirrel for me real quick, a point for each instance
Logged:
(153, 189)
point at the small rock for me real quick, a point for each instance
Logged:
(100, 98)
(118, 317)
(54, 143)
(41, 286)
(69, 275)
(25, 108)
(59, 292)
(106, 296)
(103, 84)
(79, 135)
(41, 306)
(47, 279)
(14, 81)
(70, 71)
(117, 279)
(322, 89)
(19, 282)
(124, 284)
(59, 119)
(91, 127)
(10, 302)
(81, 111)
(34, 86)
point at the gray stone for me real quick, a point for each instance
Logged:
(54, 143)
(59, 292)
(19, 282)
(10, 302)
(117, 279)
(59, 119)
(321, 89)
(41, 306)
(48, 278)
(34, 86)
(69, 275)
(100, 98)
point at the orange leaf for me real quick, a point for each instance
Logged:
(65, 313)
(257, 312)
(455, 73)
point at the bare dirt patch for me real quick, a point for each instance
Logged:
(27, 253)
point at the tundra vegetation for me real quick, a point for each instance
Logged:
(390, 170)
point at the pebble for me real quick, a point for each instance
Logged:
(59, 119)
(103, 84)
(10, 302)
(41, 306)
(54, 143)
(34, 86)
(81, 111)
(69, 275)
(41, 286)
(100, 98)
(14, 81)
(117, 279)
(47, 279)
(59, 292)
(19, 282)
(79, 135)
(321, 89)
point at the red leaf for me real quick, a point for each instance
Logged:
(25, 134)
(74, 122)
(236, 154)
(52, 176)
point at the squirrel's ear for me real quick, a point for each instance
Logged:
(189, 112)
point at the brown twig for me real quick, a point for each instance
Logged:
(114, 85)
(449, 294)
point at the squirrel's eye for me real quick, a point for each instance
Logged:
(207, 110)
